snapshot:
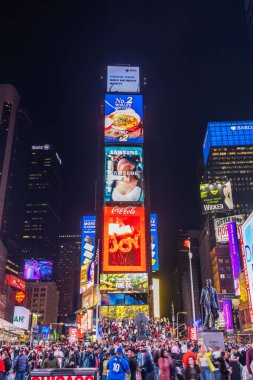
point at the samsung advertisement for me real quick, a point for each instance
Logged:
(124, 180)
(216, 197)
(38, 270)
(124, 119)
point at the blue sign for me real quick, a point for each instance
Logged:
(123, 119)
(88, 238)
(45, 332)
(229, 133)
(154, 242)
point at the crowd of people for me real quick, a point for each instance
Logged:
(120, 355)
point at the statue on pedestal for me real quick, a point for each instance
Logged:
(209, 302)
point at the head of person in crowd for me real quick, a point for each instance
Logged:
(131, 352)
(189, 346)
(190, 361)
(119, 351)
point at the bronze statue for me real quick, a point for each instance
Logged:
(209, 301)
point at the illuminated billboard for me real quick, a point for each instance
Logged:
(123, 79)
(124, 180)
(156, 297)
(38, 270)
(227, 133)
(15, 282)
(124, 119)
(154, 242)
(87, 275)
(124, 247)
(234, 254)
(88, 237)
(121, 299)
(87, 252)
(221, 229)
(124, 282)
(120, 312)
(216, 197)
(247, 256)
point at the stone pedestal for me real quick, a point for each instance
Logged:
(211, 339)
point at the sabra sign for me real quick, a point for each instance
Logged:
(59, 377)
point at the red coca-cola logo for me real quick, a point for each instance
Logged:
(129, 210)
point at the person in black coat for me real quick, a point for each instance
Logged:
(133, 364)
(223, 367)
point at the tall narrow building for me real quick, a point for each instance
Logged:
(67, 276)
(42, 215)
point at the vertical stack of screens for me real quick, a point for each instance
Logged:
(124, 278)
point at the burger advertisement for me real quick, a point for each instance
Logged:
(124, 239)
(123, 118)
(124, 180)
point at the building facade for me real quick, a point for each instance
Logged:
(42, 215)
(67, 276)
(42, 299)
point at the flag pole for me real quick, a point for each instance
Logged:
(97, 295)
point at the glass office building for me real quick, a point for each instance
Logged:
(228, 155)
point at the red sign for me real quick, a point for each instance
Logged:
(61, 377)
(19, 297)
(15, 282)
(124, 239)
(73, 333)
(192, 333)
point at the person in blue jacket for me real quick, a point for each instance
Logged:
(117, 366)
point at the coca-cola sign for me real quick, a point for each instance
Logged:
(129, 210)
(124, 239)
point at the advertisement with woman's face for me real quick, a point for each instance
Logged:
(124, 180)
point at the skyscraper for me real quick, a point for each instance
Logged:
(43, 203)
(67, 275)
(228, 155)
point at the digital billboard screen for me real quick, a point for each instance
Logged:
(247, 256)
(124, 239)
(221, 229)
(124, 282)
(38, 270)
(117, 299)
(123, 79)
(88, 237)
(87, 275)
(124, 180)
(87, 252)
(123, 119)
(120, 312)
(216, 197)
(154, 242)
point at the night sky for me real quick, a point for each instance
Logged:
(196, 56)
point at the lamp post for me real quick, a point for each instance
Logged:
(180, 312)
(187, 243)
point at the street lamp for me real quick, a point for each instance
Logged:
(187, 243)
(180, 312)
